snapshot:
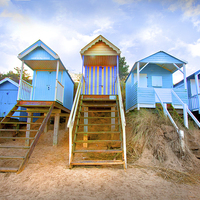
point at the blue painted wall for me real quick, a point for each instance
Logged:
(44, 86)
(155, 70)
(8, 97)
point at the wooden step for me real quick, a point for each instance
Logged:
(97, 117)
(12, 157)
(98, 151)
(20, 123)
(98, 105)
(15, 147)
(108, 111)
(20, 138)
(101, 132)
(96, 99)
(8, 169)
(97, 124)
(10, 130)
(98, 162)
(27, 116)
(96, 141)
(31, 111)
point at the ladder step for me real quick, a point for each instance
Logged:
(97, 124)
(96, 141)
(98, 162)
(98, 105)
(35, 106)
(26, 116)
(19, 123)
(8, 169)
(16, 130)
(98, 151)
(15, 147)
(108, 111)
(12, 157)
(98, 117)
(31, 111)
(20, 138)
(102, 132)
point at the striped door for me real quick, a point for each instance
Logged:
(100, 80)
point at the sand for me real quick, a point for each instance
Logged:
(47, 176)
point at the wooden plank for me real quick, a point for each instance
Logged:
(32, 110)
(12, 157)
(8, 169)
(10, 130)
(101, 132)
(98, 162)
(97, 141)
(98, 151)
(15, 147)
(98, 105)
(17, 138)
(56, 129)
(112, 121)
(28, 116)
(108, 111)
(97, 124)
(28, 127)
(34, 103)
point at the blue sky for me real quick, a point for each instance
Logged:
(138, 27)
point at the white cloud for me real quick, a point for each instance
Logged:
(4, 3)
(125, 1)
(195, 49)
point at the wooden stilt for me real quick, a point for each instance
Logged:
(56, 129)
(85, 136)
(46, 127)
(28, 127)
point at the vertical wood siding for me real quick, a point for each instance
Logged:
(99, 80)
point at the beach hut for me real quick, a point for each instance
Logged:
(50, 94)
(98, 107)
(193, 89)
(8, 95)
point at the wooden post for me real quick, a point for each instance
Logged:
(85, 136)
(165, 105)
(185, 115)
(184, 76)
(56, 129)
(197, 89)
(20, 81)
(46, 127)
(138, 75)
(112, 121)
(56, 87)
(28, 127)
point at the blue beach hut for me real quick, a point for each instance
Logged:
(8, 95)
(193, 88)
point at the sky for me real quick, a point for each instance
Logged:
(138, 28)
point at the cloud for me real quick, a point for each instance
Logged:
(125, 1)
(4, 3)
(195, 49)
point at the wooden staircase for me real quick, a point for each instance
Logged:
(18, 138)
(98, 132)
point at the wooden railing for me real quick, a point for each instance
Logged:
(123, 120)
(25, 91)
(186, 109)
(180, 132)
(72, 117)
(60, 92)
(194, 102)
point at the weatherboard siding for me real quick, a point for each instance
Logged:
(39, 54)
(8, 97)
(146, 95)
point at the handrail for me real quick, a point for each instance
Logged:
(72, 116)
(27, 83)
(167, 112)
(180, 132)
(122, 119)
(189, 112)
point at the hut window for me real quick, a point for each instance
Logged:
(157, 81)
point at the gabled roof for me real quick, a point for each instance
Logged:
(162, 59)
(37, 44)
(39, 56)
(192, 76)
(9, 80)
(98, 39)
